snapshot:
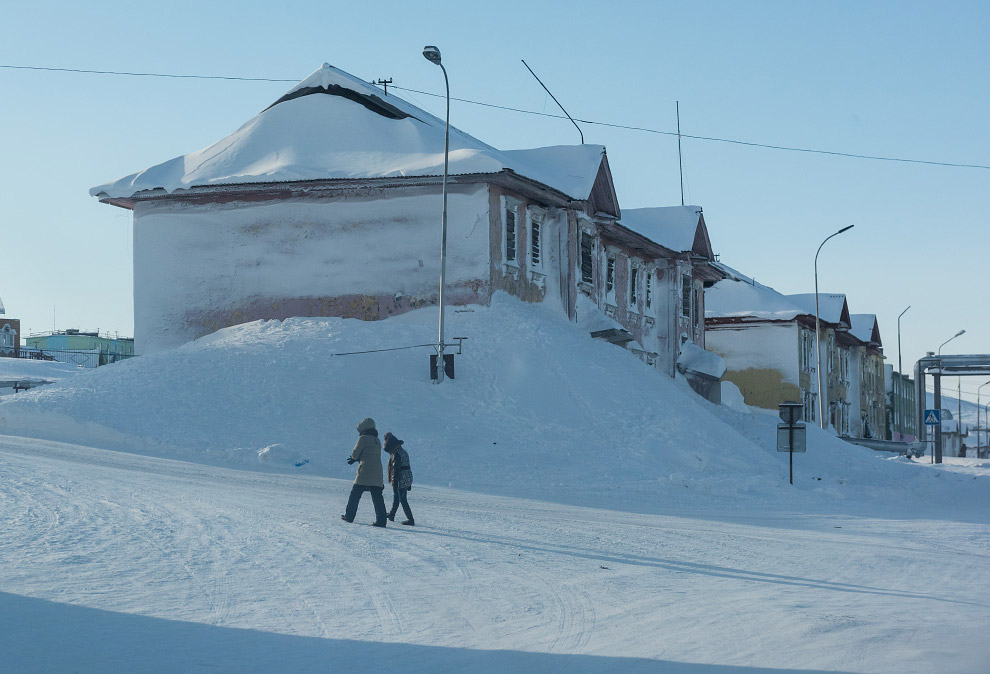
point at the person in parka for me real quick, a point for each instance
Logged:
(367, 454)
(400, 477)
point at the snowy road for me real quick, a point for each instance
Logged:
(118, 562)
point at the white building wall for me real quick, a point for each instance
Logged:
(200, 268)
(766, 346)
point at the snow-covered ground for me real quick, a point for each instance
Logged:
(37, 372)
(576, 512)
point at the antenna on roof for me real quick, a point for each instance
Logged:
(384, 83)
(554, 100)
(680, 160)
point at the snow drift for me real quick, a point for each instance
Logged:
(538, 409)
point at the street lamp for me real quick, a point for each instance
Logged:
(961, 332)
(898, 412)
(432, 54)
(818, 332)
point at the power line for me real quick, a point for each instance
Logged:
(713, 139)
(118, 72)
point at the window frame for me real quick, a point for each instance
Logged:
(536, 219)
(588, 248)
(510, 206)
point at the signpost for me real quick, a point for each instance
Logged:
(934, 418)
(792, 434)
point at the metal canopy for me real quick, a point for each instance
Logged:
(965, 365)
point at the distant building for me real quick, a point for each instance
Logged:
(767, 340)
(953, 433)
(902, 412)
(865, 350)
(89, 349)
(10, 336)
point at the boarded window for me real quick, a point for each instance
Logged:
(610, 275)
(534, 242)
(587, 251)
(510, 234)
(633, 277)
(649, 289)
(685, 295)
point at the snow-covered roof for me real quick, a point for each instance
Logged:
(864, 328)
(738, 299)
(333, 125)
(832, 307)
(673, 227)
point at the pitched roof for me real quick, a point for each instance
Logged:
(832, 307)
(333, 125)
(865, 328)
(730, 298)
(679, 228)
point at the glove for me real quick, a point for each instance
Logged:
(350, 460)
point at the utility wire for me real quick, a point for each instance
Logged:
(713, 139)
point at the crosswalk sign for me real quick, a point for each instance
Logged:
(933, 417)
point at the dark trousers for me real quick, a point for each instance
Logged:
(399, 496)
(376, 498)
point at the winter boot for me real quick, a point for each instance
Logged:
(378, 524)
(391, 516)
(344, 517)
(410, 523)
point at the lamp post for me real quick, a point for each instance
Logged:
(938, 399)
(818, 331)
(432, 54)
(961, 332)
(898, 412)
(978, 414)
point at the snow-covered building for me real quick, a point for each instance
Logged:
(862, 347)
(902, 408)
(327, 203)
(767, 340)
(10, 334)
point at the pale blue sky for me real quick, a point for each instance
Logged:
(900, 79)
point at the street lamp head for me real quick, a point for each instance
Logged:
(845, 229)
(961, 332)
(432, 54)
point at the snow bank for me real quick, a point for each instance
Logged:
(538, 409)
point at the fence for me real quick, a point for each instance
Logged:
(82, 358)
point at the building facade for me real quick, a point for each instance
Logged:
(327, 203)
(901, 406)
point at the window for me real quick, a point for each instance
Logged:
(649, 289)
(610, 275)
(696, 295)
(535, 256)
(831, 353)
(587, 251)
(633, 277)
(685, 295)
(510, 232)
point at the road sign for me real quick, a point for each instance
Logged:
(933, 417)
(792, 438)
(790, 412)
